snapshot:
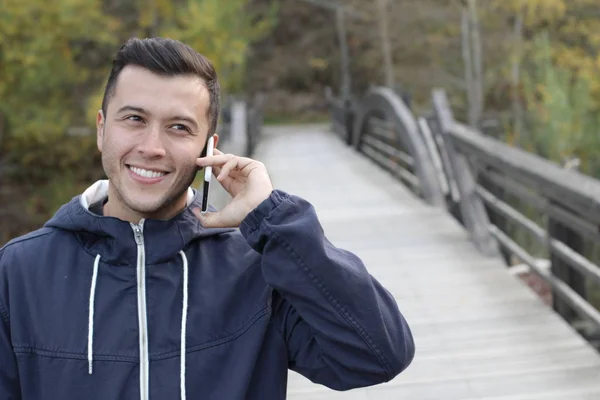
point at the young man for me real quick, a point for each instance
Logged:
(129, 292)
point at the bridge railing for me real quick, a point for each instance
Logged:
(511, 202)
(565, 220)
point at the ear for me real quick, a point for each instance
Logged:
(99, 129)
(216, 139)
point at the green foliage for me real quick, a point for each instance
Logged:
(222, 31)
(42, 47)
(562, 118)
(557, 56)
(45, 172)
(37, 160)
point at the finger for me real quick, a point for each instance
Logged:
(222, 158)
(216, 170)
(227, 168)
(225, 181)
(218, 160)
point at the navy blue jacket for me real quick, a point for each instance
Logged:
(92, 307)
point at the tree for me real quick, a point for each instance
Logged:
(48, 55)
(222, 31)
(560, 84)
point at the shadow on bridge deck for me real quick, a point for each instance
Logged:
(480, 332)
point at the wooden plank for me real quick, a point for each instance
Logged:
(481, 334)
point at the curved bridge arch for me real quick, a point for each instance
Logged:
(398, 137)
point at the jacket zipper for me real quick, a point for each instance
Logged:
(142, 310)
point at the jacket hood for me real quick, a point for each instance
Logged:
(113, 239)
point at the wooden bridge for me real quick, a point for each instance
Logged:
(451, 222)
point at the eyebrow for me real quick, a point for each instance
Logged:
(140, 110)
(132, 108)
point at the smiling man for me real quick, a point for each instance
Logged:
(129, 292)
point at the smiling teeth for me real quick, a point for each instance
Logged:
(146, 173)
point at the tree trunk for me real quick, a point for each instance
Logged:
(2, 128)
(469, 81)
(383, 6)
(3, 228)
(342, 37)
(476, 59)
(517, 106)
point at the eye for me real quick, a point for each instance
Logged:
(181, 127)
(134, 118)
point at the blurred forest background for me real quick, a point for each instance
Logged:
(529, 75)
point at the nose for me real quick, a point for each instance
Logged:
(152, 145)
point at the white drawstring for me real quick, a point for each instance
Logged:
(183, 319)
(91, 314)
(184, 323)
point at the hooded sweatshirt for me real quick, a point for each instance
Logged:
(93, 307)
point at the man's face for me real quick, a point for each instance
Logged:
(154, 129)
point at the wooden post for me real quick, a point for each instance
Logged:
(496, 218)
(562, 270)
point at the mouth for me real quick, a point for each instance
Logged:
(146, 175)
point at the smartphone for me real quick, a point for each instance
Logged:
(207, 174)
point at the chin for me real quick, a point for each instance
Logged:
(154, 207)
(146, 209)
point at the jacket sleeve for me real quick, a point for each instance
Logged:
(342, 328)
(9, 378)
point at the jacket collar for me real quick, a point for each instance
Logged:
(114, 240)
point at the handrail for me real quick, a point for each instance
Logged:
(570, 188)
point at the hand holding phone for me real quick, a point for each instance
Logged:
(245, 179)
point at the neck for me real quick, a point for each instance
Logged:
(116, 207)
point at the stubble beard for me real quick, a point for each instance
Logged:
(160, 206)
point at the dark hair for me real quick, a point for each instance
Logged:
(166, 57)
